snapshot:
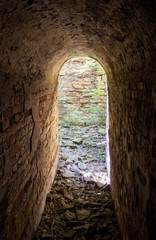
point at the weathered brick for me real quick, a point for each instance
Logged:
(7, 144)
(12, 101)
(18, 117)
(5, 124)
(17, 155)
(77, 86)
(1, 149)
(1, 173)
(7, 113)
(18, 99)
(12, 140)
(15, 167)
(28, 119)
(2, 160)
(17, 108)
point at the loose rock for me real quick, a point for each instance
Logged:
(82, 166)
(70, 215)
(79, 206)
(68, 174)
(82, 214)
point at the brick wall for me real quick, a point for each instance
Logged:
(78, 84)
(21, 168)
(37, 37)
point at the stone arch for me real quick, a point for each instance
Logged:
(37, 37)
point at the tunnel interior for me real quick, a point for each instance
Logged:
(36, 39)
(79, 204)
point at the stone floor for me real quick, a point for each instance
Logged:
(83, 154)
(79, 205)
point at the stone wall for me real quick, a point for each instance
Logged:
(22, 173)
(132, 147)
(37, 37)
(80, 79)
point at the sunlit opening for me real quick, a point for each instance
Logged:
(84, 122)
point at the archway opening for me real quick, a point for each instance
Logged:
(79, 205)
(83, 121)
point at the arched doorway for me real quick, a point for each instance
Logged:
(83, 121)
(79, 205)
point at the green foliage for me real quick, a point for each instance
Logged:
(96, 92)
(97, 110)
(104, 80)
(93, 115)
(64, 98)
(92, 65)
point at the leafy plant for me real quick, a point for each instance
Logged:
(96, 92)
